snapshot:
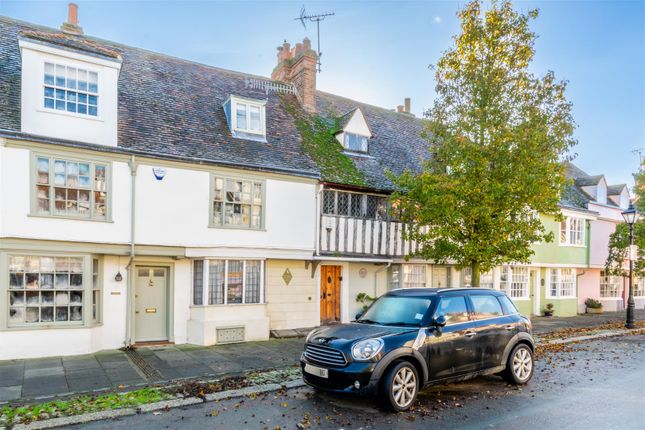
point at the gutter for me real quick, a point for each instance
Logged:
(130, 269)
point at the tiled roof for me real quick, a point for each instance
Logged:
(396, 144)
(167, 106)
(614, 190)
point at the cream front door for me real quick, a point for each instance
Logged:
(440, 277)
(150, 304)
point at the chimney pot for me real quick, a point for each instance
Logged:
(298, 66)
(306, 43)
(407, 104)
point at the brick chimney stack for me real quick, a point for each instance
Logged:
(71, 26)
(407, 105)
(298, 66)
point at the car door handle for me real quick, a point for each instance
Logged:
(509, 327)
(470, 334)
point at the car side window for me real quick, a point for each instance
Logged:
(454, 309)
(486, 306)
(507, 305)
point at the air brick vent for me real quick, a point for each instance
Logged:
(230, 334)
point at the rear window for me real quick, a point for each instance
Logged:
(486, 306)
(507, 305)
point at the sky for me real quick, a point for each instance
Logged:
(378, 52)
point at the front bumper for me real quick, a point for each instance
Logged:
(342, 379)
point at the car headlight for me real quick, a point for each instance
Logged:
(366, 349)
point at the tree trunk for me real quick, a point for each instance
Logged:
(474, 269)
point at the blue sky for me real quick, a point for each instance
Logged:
(379, 51)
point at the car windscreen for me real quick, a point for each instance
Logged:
(396, 310)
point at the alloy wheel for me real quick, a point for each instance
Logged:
(404, 387)
(522, 364)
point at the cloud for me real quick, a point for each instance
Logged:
(438, 19)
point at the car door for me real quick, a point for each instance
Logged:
(493, 330)
(450, 348)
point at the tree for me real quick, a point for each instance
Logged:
(498, 139)
(619, 239)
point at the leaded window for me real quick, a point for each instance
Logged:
(237, 203)
(562, 283)
(46, 290)
(356, 205)
(227, 281)
(610, 285)
(71, 89)
(515, 281)
(71, 188)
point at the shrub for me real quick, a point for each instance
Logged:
(593, 303)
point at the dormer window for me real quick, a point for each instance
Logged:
(355, 142)
(246, 117)
(71, 89)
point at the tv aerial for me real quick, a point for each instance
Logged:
(304, 17)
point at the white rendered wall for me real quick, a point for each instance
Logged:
(35, 119)
(293, 305)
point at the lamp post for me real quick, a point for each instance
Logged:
(630, 216)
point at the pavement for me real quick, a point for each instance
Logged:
(597, 384)
(24, 380)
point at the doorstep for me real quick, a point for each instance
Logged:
(291, 333)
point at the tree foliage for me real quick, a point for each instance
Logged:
(498, 138)
(619, 239)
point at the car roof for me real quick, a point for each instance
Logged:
(428, 292)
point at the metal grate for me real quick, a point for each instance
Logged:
(324, 355)
(230, 334)
(150, 373)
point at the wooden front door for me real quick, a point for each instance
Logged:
(330, 277)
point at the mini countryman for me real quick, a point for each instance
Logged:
(413, 337)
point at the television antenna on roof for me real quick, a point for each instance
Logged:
(304, 17)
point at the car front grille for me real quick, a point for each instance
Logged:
(324, 355)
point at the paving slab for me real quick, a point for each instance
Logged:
(10, 393)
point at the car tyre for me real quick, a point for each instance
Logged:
(400, 386)
(519, 365)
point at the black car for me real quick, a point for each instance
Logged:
(413, 337)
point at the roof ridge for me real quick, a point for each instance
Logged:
(381, 108)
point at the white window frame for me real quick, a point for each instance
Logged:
(486, 279)
(89, 69)
(639, 287)
(609, 284)
(408, 271)
(519, 275)
(572, 237)
(206, 276)
(261, 104)
(555, 276)
(364, 145)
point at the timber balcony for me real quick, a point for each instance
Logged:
(363, 237)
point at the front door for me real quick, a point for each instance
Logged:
(330, 277)
(535, 279)
(440, 277)
(150, 304)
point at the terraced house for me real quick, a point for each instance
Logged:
(146, 198)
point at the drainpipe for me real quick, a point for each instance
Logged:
(318, 218)
(377, 272)
(130, 284)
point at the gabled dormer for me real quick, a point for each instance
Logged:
(69, 85)
(246, 117)
(595, 187)
(354, 133)
(618, 195)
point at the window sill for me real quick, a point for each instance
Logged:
(232, 227)
(561, 297)
(611, 298)
(70, 114)
(520, 299)
(69, 217)
(52, 327)
(222, 305)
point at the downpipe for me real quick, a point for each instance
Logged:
(129, 268)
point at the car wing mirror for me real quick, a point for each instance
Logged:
(358, 315)
(439, 321)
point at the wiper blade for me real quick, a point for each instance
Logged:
(366, 321)
(407, 324)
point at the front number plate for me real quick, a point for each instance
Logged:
(317, 371)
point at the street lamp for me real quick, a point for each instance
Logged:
(631, 216)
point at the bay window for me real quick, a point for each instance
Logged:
(572, 231)
(70, 188)
(52, 290)
(237, 203)
(562, 283)
(221, 282)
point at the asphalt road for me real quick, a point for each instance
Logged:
(594, 385)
